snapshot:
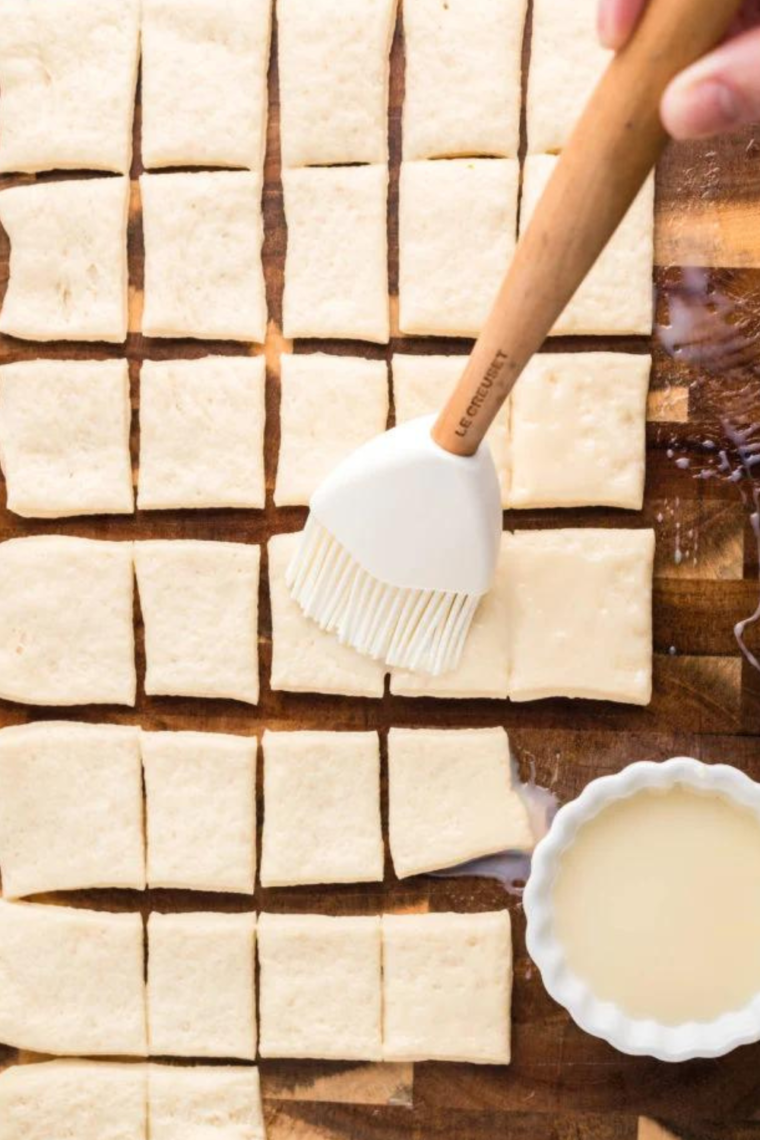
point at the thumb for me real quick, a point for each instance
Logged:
(721, 92)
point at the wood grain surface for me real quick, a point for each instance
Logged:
(562, 1083)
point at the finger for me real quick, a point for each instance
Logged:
(617, 19)
(718, 93)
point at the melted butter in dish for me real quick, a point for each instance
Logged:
(657, 905)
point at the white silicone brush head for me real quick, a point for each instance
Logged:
(399, 548)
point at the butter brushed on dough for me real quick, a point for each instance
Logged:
(617, 296)
(579, 614)
(447, 987)
(203, 1101)
(59, 783)
(462, 77)
(200, 607)
(457, 232)
(68, 72)
(566, 62)
(450, 798)
(320, 983)
(89, 1100)
(333, 73)
(336, 268)
(203, 272)
(201, 992)
(64, 437)
(204, 82)
(71, 980)
(66, 621)
(68, 260)
(329, 406)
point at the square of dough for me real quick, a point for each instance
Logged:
(305, 659)
(71, 807)
(66, 632)
(201, 991)
(617, 297)
(68, 72)
(579, 614)
(68, 260)
(421, 385)
(202, 433)
(336, 265)
(200, 798)
(483, 670)
(64, 437)
(200, 606)
(463, 77)
(71, 980)
(578, 433)
(329, 406)
(204, 82)
(321, 809)
(86, 1100)
(320, 987)
(204, 1102)
(203, 271)
(566, 63)
(451, 799)
(334, 63)
(457, 232)
(447, 987)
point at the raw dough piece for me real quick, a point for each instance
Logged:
(329, 406)
(333, 71)
(617, 296)
(203, 272)
(80, 1100)
(204, 82)
(71, 980)
(566, 62)
(71, 807)
(420, 387)
(321, 808)
(202, 433)
(450, 798)
(579, 614)
(204, 1102)
(457, 230)
(64, 437)
(336, 269)
(578, 435)
(200, 605)
(320, 980)
(305, 659)
(462, 79)
(68, 260)
(447, 987)
(201, 993)
(483, 670)
(200, 793)
(68, 72)
(66, 634)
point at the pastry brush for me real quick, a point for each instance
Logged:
(402, 537)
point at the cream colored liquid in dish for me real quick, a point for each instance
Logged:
(657, 905)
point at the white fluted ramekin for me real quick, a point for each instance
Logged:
(603, 1018)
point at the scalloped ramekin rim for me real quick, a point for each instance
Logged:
(602, 1018)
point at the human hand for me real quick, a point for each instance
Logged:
(721, 92)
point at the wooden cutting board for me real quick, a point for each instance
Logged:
(706, 701)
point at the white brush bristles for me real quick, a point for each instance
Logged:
(423, 630)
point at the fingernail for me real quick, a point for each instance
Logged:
(701, 108)
(607, 27)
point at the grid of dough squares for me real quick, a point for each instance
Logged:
(112, 1101)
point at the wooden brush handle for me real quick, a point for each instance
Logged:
(614, 146)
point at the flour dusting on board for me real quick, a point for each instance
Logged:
(712, 328)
